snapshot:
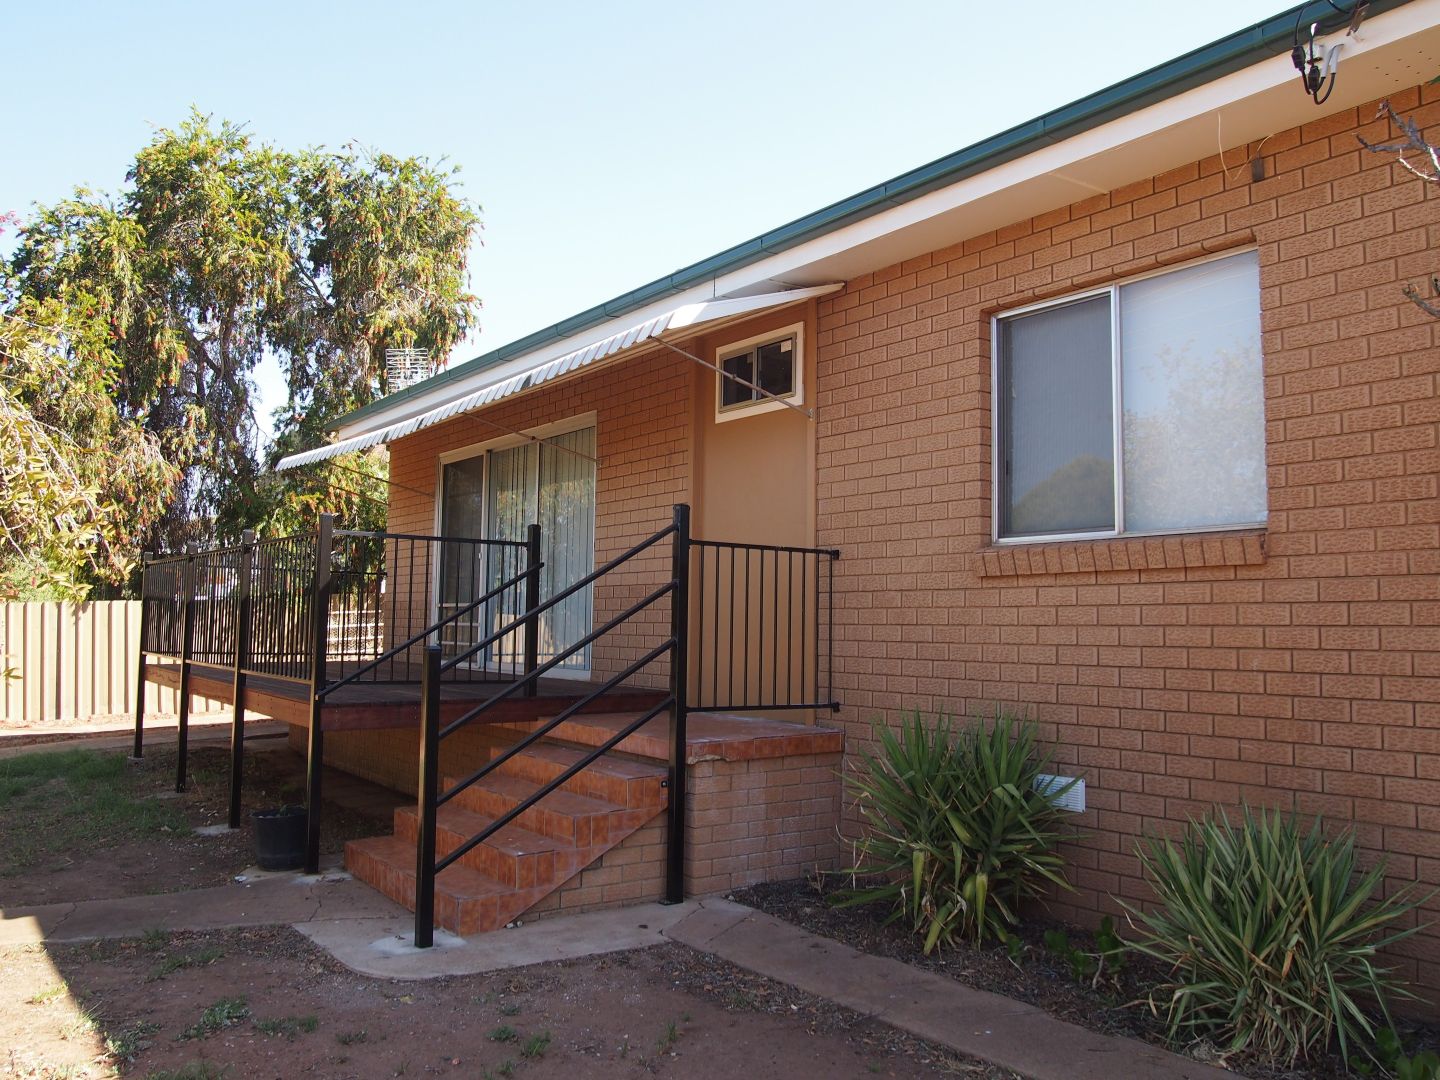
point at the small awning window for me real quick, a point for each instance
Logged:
(668, 325)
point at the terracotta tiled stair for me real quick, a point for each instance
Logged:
(526, 860)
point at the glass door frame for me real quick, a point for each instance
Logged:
(482, 449)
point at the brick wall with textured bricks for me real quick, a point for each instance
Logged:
(642, 433)
(767, 819)
(1298, 666)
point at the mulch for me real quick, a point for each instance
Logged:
(1117, 1005)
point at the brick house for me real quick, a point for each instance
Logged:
(1119, 418)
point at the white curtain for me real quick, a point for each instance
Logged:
(1194, 417)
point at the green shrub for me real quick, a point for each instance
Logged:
(955, 835)
(1270, 935)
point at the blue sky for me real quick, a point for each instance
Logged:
(606, 144)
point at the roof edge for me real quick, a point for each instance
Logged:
(1169, 79)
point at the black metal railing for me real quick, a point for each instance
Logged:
(750, 627)
(763, 627)
(332, 608)
(672, 647)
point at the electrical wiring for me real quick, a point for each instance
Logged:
(1311, 65)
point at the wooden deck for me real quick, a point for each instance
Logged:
(369, 705)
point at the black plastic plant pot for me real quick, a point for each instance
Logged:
(280, 838)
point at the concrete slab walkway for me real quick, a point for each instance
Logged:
(372, 936)
(261, 900)
(997, 1029)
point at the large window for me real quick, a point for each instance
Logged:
(1134, 409)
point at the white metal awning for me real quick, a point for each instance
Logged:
(666, 325)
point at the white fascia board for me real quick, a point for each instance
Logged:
(1238, 108)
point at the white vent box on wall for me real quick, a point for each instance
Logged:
(1071, 799)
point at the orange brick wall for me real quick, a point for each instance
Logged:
(1299, 665)
(767, 819)
(642, 433)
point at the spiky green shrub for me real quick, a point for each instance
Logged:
(1270, 934)
(955, 834)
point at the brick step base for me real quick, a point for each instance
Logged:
(526, 860)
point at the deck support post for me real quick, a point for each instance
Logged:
(244, 562)
(140, 663)
(320, 636)
(187, 645)
(680, 698)
(429, 792)
(532, 601)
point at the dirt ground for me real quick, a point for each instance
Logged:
(265, 1003)
(1115, 1005)
(138, 838)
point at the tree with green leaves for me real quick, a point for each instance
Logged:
(221, 251)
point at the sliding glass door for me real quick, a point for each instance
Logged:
(495, 495)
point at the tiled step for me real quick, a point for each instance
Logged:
(564, 815)
(494, 882)
(708, 735)
(632, 784)
(512, 856)
(466, 901)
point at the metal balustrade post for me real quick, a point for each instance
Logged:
(187, 646)
(680, 695)
(244, 564)
(532, 601)
(315, 747)
(140, 664)
(429, 792)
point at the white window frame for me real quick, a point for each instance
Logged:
(725, 413)
(506, 442)
(1112, 290)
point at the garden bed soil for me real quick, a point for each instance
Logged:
(78, 832)
(1037, 975)
(127, 1006)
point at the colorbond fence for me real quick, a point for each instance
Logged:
(76, 661)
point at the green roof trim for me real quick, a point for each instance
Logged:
(1264, 40)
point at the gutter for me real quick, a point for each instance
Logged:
(1263, 41)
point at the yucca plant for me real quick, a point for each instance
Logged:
(1270, 933)
(955, 835)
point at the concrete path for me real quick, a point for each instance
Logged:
(371, 935)
(259, 900)
(384, 947)
(940, 1010)
(203, 731)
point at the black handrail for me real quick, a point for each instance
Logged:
(264, 608)
(430, 798)
(553, 785)
(590, 638)
(564, 594)
(433, 628)
(550, 725)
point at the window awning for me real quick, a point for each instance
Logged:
(665, 326)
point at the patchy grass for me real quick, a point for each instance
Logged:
(288, 1026)
(535, 1046)
(71, 802)
(44, 997)
(191, 1070)
(129, 1042)
(504, 1033)
(227, 1012)
(179, 961)
(350, 1038)
(668, 1038)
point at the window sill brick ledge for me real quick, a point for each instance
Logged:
(1244, 547)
